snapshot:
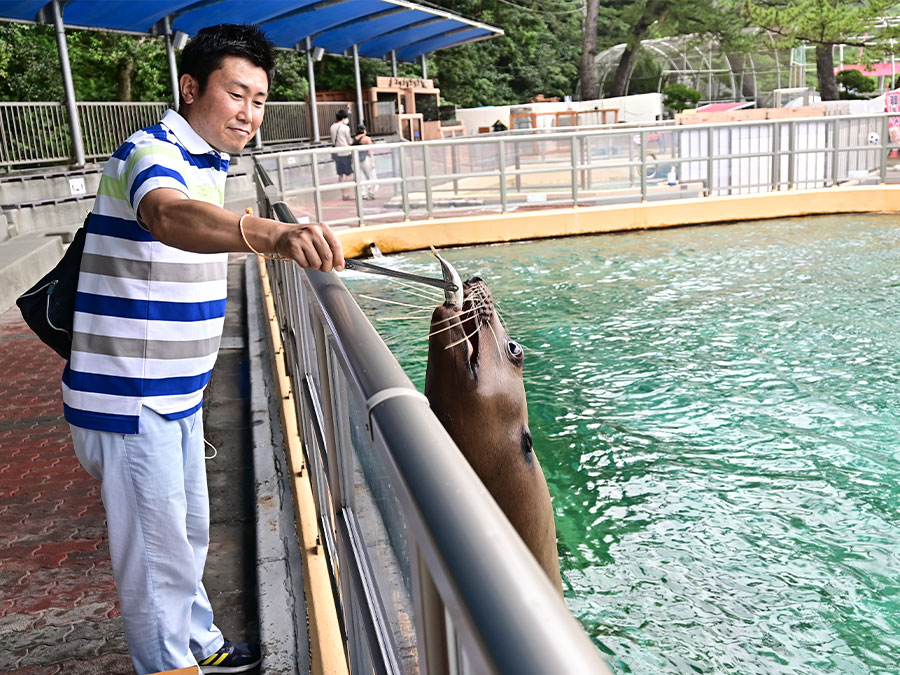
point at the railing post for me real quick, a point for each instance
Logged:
(517, 154)
(317, 193)
(776, 156)
(630, 145)
(426, 167)
(454, 167)
(643, 165)
(280, 161)
(710, 137)
(404, 189)
(573, 156)
(431, 625)
(357, 187)
(792, 127)
(885, 141)
(502, 160)
(835, 128)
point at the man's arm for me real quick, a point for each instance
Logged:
(200, 227)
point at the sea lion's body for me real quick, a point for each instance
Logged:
(476, 390)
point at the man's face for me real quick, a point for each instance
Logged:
(230, 109)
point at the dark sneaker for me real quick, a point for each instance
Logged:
(232, 657)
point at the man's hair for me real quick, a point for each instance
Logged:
(342, 114)
(206, 51)
(360, 128)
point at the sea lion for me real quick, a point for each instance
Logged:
(473, 382)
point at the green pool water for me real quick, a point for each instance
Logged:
(717, 412)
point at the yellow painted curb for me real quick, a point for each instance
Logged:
(325, 641)
(539, 224)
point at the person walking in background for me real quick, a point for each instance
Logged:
(148, 320)
(341, 138)
(366, 162)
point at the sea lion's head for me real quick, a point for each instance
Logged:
(474, 371)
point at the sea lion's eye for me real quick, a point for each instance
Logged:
(514, 349)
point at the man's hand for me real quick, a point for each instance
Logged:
(311, 245)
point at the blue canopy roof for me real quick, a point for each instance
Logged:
(375, 26)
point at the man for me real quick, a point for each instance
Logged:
(148, 320)
(341, 138)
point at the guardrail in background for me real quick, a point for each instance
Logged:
(429, 575)
(38, 133)
(585, 167)
(104, 126)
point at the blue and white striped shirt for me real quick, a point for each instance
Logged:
(148, 317)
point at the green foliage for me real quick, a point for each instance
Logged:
(105, 66)
(538, 54)
(290, 77)
(853, 80)
(29, 64)
(679, 96)
(826, 22)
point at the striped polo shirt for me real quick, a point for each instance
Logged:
(148, 317)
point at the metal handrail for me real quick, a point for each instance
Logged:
(477, 590)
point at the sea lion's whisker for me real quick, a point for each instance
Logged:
(423, 310)
(496, 341)
(462, 339)
(418, 290)
(448, 326)
(392, 302)
(455, 316)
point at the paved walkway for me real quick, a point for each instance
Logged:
(57, 595)
(58, 604)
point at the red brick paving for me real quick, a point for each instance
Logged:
(55, 571)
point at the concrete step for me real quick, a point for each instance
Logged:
(24, 260)
(56, 216)
(25, 188)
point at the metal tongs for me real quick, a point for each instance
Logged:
(450, 284)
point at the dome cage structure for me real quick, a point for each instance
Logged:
(699, 62)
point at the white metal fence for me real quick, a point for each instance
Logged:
(623, 163)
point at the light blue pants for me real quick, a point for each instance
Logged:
(157, 512)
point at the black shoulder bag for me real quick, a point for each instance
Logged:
(48, 307)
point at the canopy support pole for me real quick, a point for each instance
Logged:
(393, 63)
(313, 106)
(71, 105)
(173, 68)
(359, 99)
(424, 67)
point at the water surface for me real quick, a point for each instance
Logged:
(717, 412)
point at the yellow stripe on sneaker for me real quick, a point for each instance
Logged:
(221, 658)
(209, 660)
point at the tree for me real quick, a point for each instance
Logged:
(679, 97)
(824, 24)
(589, 51)
(854, 82)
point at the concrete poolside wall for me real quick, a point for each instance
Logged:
(519, 226)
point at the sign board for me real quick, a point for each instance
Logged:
(892, 105)
(403, 83)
